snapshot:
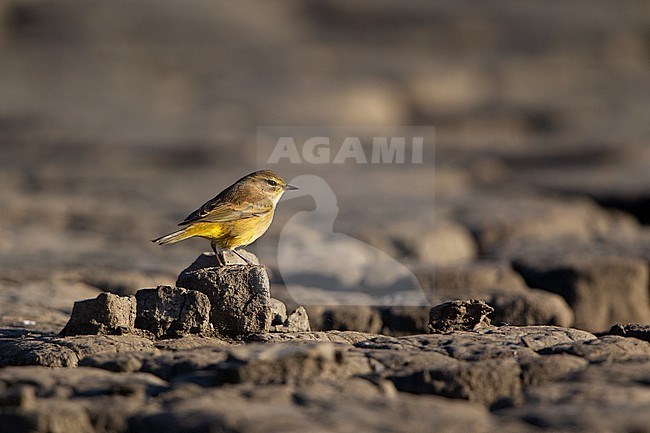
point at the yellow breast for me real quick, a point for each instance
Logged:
(232, 234)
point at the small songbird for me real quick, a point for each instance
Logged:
(236, 217)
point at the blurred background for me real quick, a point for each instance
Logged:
(117, 119)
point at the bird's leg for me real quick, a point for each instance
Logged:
(248, 262)
(218, 254)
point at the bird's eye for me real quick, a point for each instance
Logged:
(272, 182)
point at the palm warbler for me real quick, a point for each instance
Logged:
(236, 217)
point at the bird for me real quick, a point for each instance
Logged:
(236, 217)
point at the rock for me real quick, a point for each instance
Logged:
(26, 349)
(78, 382)
(192, 341)
(293, 362)
(405, 320)
(606, 349)
(278, 312)
(117, 362)
(600, 290)
(511, 306)
(341, 337)
(600, 397)
(239, 296)
(631, 372)
(501, 287)
(208, 260)
(633, 330)
(485, 366)
(74, 400)
(361, 318)
(537, 338)
(296, 322)
(172, 311)
(529, 307)
(571, 406)
(434, 243)
(106, 314)
(502, 219)
(459, 315)
(620, 182)
(490, 342)
(51, 351)
(484, 382)
(49, 416)
(470, 278)
(287, 362)
(541, 369)
(325, 406)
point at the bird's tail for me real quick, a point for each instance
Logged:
(174, 237)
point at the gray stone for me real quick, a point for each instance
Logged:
(172, 311)
(629, 372)
(602, 396)
(467, 279)
(487, 366)
(278, 312)
(341, 337)
(192, 341)
(31, 350)
(528, 307)
(501, 287)
(633, 330)
(52, 415)
(503, 341)
(78, 382)
(405, 320)
(541, 369)
(326, 406)
(117, 362)
(434, 243)
(600, 290)
(459, 315)
(209, 260)
(606, 349)
(361, 318)
(75, 400)
(296, 322)
(295, 362)
(620, 183)
(106, 314)
(484, 382)
(582, 407)
(501, 219)
(239, 296)
(51, 351)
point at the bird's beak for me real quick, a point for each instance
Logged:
(288, 187)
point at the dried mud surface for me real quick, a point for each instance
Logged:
(117, 120)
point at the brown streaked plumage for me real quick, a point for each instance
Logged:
(236, 217)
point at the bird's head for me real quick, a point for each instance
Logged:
(268, 183)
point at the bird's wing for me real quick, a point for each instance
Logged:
(217, 211)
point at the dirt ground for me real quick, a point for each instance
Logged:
(117, 119)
